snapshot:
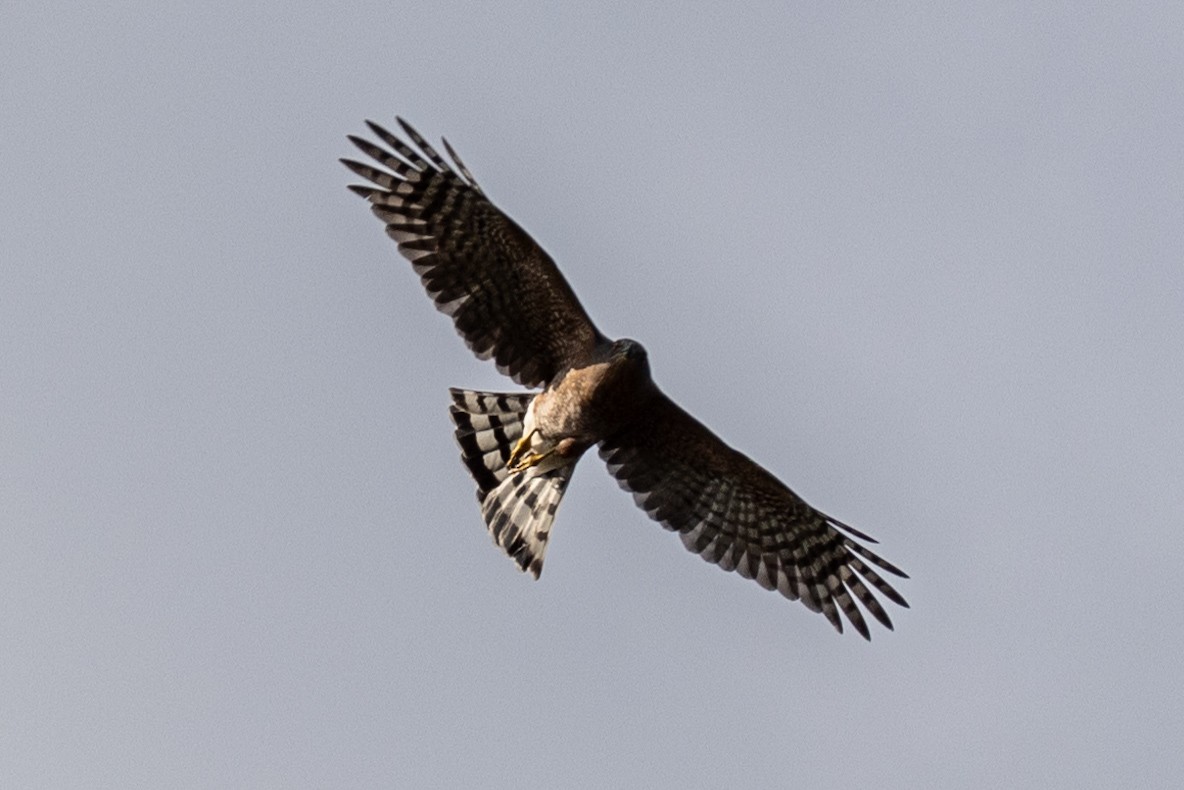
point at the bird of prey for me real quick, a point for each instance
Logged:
(510, 303)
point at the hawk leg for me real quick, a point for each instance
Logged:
(559, 453)
(522, 457)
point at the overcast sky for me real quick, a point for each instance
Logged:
(925, 264)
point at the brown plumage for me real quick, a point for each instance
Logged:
(510, 303)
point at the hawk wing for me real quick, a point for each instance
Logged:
(503, 292)
(735, 514)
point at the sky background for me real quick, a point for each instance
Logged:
(925, 263)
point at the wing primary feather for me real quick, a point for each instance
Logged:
(367, 192)
(827, 604)
(425, 146)
(401, 148)
(874, 558)
(380, 177)
(460, 165)
(848, 528)
(842, 596)
(404, 170)
(883, 587)
(868, 600)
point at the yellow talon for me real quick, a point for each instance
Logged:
(527, 462)
(517, 462)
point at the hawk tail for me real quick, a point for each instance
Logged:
(518, 507)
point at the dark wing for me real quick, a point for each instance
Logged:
(504, 293)
(735, 514)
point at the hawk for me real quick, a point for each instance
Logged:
(510, 303)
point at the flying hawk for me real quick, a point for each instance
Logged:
(510, 304)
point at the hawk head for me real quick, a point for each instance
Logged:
(629, 350)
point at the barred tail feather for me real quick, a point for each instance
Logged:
(519, 513)
(519, 507)
(488, 424)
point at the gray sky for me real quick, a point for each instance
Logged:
(926, 265)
